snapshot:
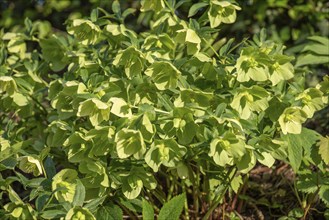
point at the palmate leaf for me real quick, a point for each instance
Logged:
(236, 183)
(64, 184)
(249, 66)
(120, 107)
(94, 172)
(7, 84)
(79, 213)
(65, 97)
(164, 74)
(132, 186)
(267, 159)
(188, 96)
(248, 100)
(129, 142)
(225, 149)
(16, 44)
(291, 120)
(102, 139)
(221, 12)
(166, 152)
(282, 72)
(53, 214)
(20, 211)
(247, 161)
(97, 110)
(318, 45)
(132, 60)
(276, 108)
(191, 39)
(54, 52)
(146, 127)
(312, 100)
(184, 124)
(85, 31)
(314, 183)
(30, 164)
(133, 182)
(161, 46)
(134, 205)
(152, 5)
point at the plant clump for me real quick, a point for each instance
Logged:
(100, 120)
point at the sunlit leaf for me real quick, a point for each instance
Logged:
(291, 120)
(85, 31)
(129, 142)
(164, 74)
(221, 12)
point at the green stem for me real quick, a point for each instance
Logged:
(152, 201)
(313, 196)
(158, 195)
(238, 45)
(306, 210)
(208, 171)
(131, 215)
(172, 11)
(196, 193)
(296, 193)
(184, 189)
(48, 202)
(155, 109)
(171, 188)
(217, 200)
(40, 105)
(211, 47)
(44, 170)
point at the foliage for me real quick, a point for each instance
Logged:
(101, 121)
(306, 18)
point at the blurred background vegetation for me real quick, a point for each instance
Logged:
(301, 25)
(289, 21)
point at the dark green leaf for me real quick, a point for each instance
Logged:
(148, 212)
(94, 15)
(53, 214)
(110, 212)
(295, 150)
(49, 168)
(173, 208)
(41, 201)
(79, 195)
(196, 7)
